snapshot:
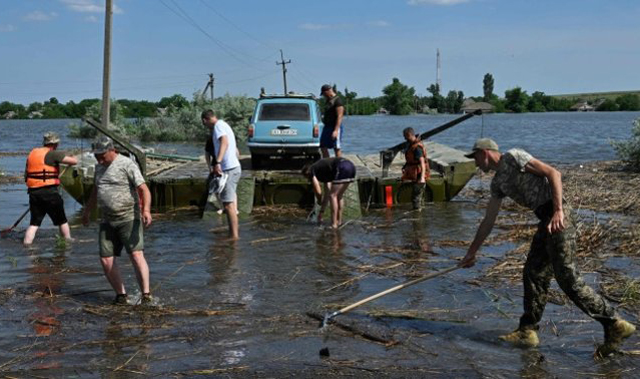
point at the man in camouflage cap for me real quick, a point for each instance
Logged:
(41, 175)
(538, 186)
(118, 186)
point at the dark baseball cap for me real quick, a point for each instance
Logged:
(325, 87)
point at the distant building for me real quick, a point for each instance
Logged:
(382, 111)
(582, 106)
(35, 114)
(470, 106)
(9, 115)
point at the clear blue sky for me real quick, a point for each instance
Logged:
(161, 47)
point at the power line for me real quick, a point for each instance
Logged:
(250, 79)
(236, 26)
(155, 86)
(184, 16)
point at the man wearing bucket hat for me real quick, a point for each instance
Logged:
(118, 188)
(331, 137)
(42, 178)
(538, 186)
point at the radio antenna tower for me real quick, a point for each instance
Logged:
(438, 78)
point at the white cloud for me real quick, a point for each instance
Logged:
(88, 6)
(436, 2)
(310, 26)
(91, 18)
(7, 28)
(40, 16)
(379, 23)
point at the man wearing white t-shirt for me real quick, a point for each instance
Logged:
(224, 142)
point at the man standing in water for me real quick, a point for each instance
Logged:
(42, 177)
(118, 188)
(337, 174)
(538, 186)
(416, 169)
(224, 141)
(331, 137)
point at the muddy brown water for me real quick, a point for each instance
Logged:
(240, 310)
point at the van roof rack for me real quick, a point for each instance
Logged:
(290, 94)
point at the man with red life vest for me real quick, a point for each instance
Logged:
(416, 169)
(41, 175)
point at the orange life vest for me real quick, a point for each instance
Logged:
(412, 169)
(38, 173)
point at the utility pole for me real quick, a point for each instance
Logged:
(284, 70)
(438, 79)
(209, 86)
(106, 73)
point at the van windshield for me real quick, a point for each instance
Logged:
(284, 112)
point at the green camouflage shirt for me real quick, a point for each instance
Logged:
(117, 195)
(511, 180)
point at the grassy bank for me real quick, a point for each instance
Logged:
(591, 96)
(178, 124)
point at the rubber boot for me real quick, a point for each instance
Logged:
(613, 336)
(522, 338)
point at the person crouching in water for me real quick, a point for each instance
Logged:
(336, 174)
(416, 169)
(538, 186)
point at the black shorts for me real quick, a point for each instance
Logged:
(345, 172)
(46, 201)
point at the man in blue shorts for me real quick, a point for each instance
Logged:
(331, 137)
(336, 174)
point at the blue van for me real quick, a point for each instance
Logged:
(284, 127)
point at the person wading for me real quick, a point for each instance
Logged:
(331, 137)
(337, 174)
(538, 186)
(118, 189)
(224, 141)
(416, 169)
(41, 176)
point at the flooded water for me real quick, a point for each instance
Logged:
(241, 309)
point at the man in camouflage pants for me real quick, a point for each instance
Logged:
(538, 186)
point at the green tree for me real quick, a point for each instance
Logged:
(607, 106)
(117, 122)
(629, 151)
(437, 101)
(185, 124)
(537, 102)
(349, 98)
(450, 102)
(459, 101)
(6, 106)
(398, 98)
(176, 101)
(487, 87)
(628, 102)
(516, 100)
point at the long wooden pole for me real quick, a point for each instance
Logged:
(106, 73)
(386, 292)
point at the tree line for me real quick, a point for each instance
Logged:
(397, 99)
(52, 108)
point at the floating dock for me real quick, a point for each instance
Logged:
(176, 184)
